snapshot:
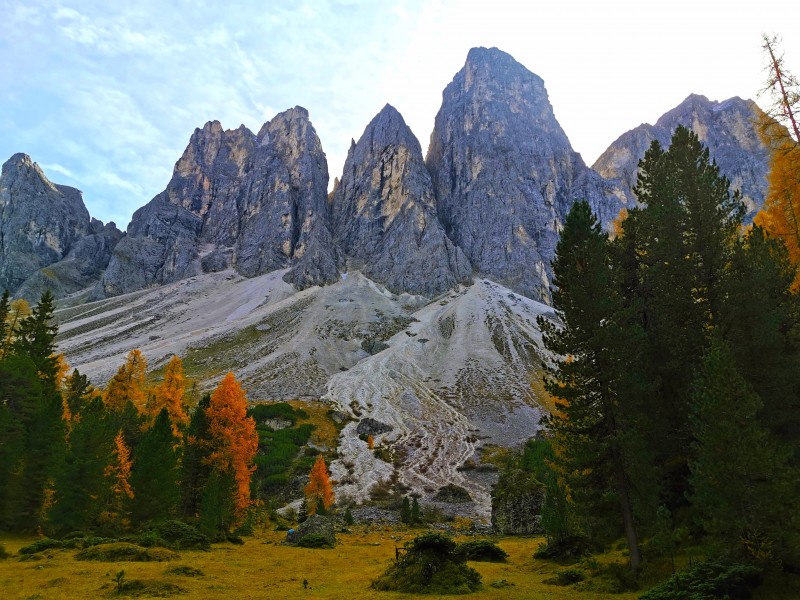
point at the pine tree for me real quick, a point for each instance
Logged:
(78, 392)
(36, 338)
(233, 441)
(675, 254)
(5, 308)
(593, 422)
(416, 516)
(195, 468)
(128, 385)
(154, 478)
(319, 490)
(743, 488)
(81, 484)
(169, 394)
(405, 511)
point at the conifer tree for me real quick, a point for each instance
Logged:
(405, 511)
(592, 424)
(128, 384)
(195, 468)
(416, 516)
(5, 308)
(36, 335)
(319, 490)
(154, 478)
(742, 485)
(169, 394)
(232, 443)
(116, 516)
(81, 483)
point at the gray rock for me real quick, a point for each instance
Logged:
(255, 203)
(384, 213)
(505, 174)
(313, 525)
(729, 129)
(47, 240)
(370, 426)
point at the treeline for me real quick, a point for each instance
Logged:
(75, 459)
(677, 378)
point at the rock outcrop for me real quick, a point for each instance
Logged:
(504, 172)
(47, 239)
(256, 203)
(384, 213)
(517, 501)
(730, 131)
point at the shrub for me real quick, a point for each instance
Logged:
(348, 517)
(570, 547)
(184, 571)
(181, 536)
(314, 540)
(715, 578)
(566, 577)
(122, 551)
(481, 551)
(44, 544)
(429, 565)
(453, 494)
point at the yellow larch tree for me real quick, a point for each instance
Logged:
(169, 394)
(233, 440)
(319, 491)
(118, 473)
(128, 383)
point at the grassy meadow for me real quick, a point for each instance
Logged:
(264, 568)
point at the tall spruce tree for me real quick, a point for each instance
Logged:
(676, 251)
(195, 469)
(743, 489)
(154, 477)
(594, 421)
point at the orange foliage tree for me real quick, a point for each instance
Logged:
(169, 394)
(319, 491)
(128, 384)
(118, 473)
(233, 440)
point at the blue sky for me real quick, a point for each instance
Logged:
(105, 95)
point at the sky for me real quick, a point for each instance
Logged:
(105, 95)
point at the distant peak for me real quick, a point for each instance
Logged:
(18, 159)
(493, 54)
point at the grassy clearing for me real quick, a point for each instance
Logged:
(263, 568)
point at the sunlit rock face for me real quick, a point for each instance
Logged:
(504, 172)
(47, 239)
(255, 203)
(730, 131)
(384, 214)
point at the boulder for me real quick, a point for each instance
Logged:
(517, 504)
(313, 525)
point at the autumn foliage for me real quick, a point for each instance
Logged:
(233, 441)
(319, 491)
(118, 474)
(169, 394)
(128, 384)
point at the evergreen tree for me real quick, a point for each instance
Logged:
(78, 392)
(594, 421)
(743, 489)
(154, 478)
(415, 516)
(302, 514)
(5, 308)
(81, 484)
(405, 511)
(36, 338)
(195, 468)
(675, 254)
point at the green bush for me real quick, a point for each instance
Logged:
(566, 577)
(181, 536)
(715, 578)
(429, 565)
(122, 551)
(314, 540)
(481, 551)
(45, 544)
(569, 547)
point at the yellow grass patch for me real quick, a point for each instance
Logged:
(263, 568)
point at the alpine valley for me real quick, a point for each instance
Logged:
(406, 298)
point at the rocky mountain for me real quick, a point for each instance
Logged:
(47, 239)
(504, 172)
(255, 203)
(729, 129)
(384, 213)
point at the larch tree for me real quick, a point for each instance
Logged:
(232, 443)
(319, 490)
(780, 130)
(169, 394)
(119, 492)
(128, 385)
